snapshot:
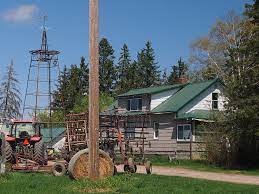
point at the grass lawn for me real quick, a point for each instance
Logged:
(37, 183)
(201, 165)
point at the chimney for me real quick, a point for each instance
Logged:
(182, 80)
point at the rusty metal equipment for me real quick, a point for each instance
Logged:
(131, 139)
(115, 138)
(76, 134)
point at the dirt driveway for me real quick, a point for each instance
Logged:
(233, 178)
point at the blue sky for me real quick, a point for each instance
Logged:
(170, 24)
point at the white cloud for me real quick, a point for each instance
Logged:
(23, 13)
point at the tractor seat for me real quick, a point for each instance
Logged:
(24, 134)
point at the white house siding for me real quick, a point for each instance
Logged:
(204, 100)
(157, 99)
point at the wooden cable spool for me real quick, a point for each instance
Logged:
(78, 167)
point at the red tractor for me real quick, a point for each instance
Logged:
(25, 141)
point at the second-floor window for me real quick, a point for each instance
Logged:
(215, 101)
(134, 104)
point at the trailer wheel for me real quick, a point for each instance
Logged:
(130, 167)
(115, 171)
(58, 169)
(148, 166)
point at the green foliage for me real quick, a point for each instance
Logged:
(82, 102)
(149, 73)
(164, 79)
(122, 183)
(56, 117)
(242, 84)
(73, 82)
(178, 71)
(240, 73)
(107, 67)
(123, 70)
(10, 100)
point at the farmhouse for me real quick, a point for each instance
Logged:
(174, 112)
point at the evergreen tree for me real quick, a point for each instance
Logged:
(182, 68)
(84, 76)
(133, 78)
(173, 77)
(72, 85)
(123, 70)
(164, 79)
(178, 71)
(107, 67)
(149, 73)
(60, 96)
(10, 100)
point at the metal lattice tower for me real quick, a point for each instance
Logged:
(43, 73)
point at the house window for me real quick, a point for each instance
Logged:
(215, 102)
(129, 133)
(134, 104)
(156, 130)
(183, 132)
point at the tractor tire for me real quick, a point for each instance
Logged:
(40, 153)
(9, 153)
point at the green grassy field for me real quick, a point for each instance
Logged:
(31, 183)
(201, 165)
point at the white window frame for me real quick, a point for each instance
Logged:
(183, 128)
(154, 128)
(212, 101)
(138, 104)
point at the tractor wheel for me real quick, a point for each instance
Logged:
(9, 153)
(58, 169)
(40, 153)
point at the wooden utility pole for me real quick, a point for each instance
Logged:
(94, 92)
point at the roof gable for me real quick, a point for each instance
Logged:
(183, 96)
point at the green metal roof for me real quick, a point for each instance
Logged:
(183, 96)
(198, 114)
(151, 90)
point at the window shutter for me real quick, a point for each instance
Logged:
(140, 104)
(128, 106)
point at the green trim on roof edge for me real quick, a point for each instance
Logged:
(198, 114)
(151, 90)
